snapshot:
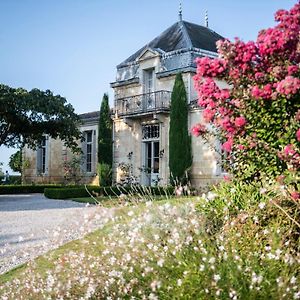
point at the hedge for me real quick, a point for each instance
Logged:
(80, 192)
(25, 189)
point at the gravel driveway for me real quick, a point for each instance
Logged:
(31, 225)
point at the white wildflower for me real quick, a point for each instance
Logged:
(160, 263)
(217, 277)
(179, 282)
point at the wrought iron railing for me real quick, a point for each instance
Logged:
(143, 103)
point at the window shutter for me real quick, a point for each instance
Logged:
(83, 160)
(94, 155)
(47, 150)
(39, 160)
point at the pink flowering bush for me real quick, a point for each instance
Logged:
(257, 116)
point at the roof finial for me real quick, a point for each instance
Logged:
(206, 19)
(180, 12)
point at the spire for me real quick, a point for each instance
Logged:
(206, 19)
(180, 12)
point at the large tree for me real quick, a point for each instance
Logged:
(180, 157)
(105, 133)
(25, 116)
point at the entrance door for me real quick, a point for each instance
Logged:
(152, 162)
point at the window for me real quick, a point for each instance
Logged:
(150, 132)
(42, 157)
(148, 81)
(89, 150)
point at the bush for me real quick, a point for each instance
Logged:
(257, 118)
(79, 192)
(25, 189)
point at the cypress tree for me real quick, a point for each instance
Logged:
(180, 156)
(105, 133)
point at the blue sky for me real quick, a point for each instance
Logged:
(72, 46)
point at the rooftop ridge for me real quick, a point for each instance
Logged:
(185, 34)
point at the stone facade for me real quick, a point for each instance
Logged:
(47, 163)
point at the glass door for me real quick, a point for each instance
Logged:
(152, 162)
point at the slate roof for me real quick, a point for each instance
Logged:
(181, 35)
(90, 115)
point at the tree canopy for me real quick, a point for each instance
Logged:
(25, 116)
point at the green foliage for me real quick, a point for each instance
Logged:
(80, 191)
(25, 189)
(25, 116)
(180, 156)
(271, 126)
(105, 174)
(105, 133)
(72, 169)
(15, 161)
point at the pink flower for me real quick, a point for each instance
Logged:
(298, 135)
(289, 150)
(227, 146)
(198, 130)
(288, 86)
(295, 195)
(259, 75)
(240, 121)
(292, 69)
(227, 178)
(208, 114)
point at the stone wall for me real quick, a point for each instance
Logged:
(57, 153)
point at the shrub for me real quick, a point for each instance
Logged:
(79, 192)
(105, 174)
(25, 189)
(257, 118)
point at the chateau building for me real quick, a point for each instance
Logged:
(142, 95)
(142, 92)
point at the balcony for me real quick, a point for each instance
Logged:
(143, 104)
